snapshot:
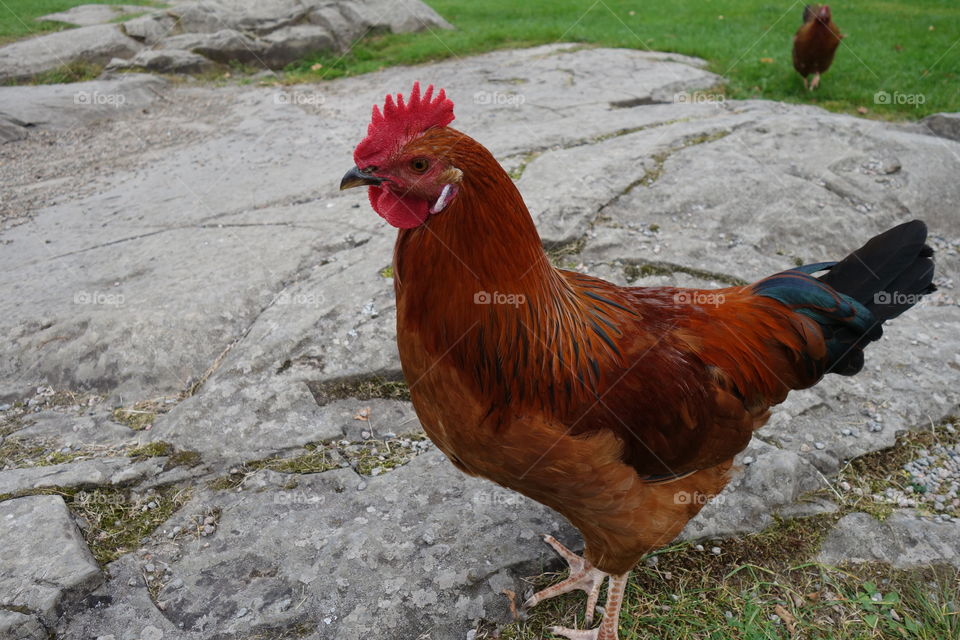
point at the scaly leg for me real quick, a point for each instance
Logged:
(806, 85)
(608, 629)
(583, 576)
(815, 82)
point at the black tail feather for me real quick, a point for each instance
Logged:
(887, 275)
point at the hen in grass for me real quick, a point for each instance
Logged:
(621, 408)
(815, 44)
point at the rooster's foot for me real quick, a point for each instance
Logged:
(611, 615)
(815, 82)
(583, 576)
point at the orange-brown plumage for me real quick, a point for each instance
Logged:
(815, 43)
(608, 404)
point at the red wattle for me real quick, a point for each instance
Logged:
(403, 212)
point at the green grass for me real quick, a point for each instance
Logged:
(18, 18)
(889, 45)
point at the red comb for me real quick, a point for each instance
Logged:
(401, 121)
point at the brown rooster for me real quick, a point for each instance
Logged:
(620, 408)
(815, 44)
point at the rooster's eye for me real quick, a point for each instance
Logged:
(419, 165)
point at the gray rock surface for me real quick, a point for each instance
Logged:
(95, 44)
(85, 473)
(20, 626)
(327, 553)
(46, 564)
(62, 106)
(202, 248)
(902, 540)
(946, 125)
(165, 61)
(86, 15)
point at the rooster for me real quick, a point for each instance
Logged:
(815, 44)
(620, 408)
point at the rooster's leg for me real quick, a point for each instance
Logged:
(611, 615)
(806, 85)
(583, 576)
(815, 82)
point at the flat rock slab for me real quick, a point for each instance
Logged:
(945, 125)
(95, 44)
(46, 564)
(20, 626)
(62, 106)
(98, 472)
(359, 557)
(86, 15)
(903, 540)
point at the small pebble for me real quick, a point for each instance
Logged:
(715, 551)
(819, 445)
(361, 485)
(748, 460)
(243, 611)
(699, 547)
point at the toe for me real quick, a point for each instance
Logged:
(575, 634)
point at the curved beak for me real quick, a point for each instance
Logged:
(357, 178)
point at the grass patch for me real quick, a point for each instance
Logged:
(903, 48)
(389, 387)
(141, 415)
(367, 457)
(387, 271)
(18, 18)
(633, 271)
(19, 453)
(560, 254)
(116, 521)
